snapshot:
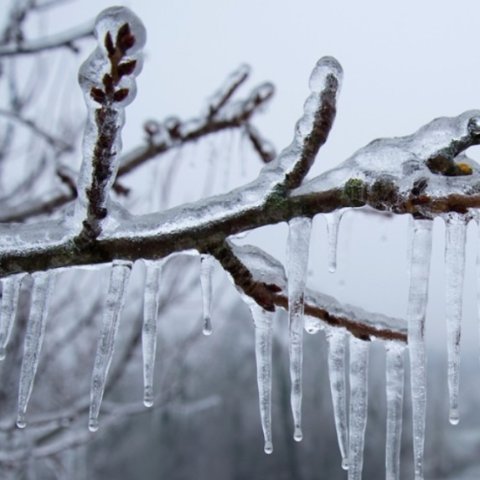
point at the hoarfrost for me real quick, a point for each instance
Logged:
(358, 405)
(337, 349)
(456, 229)
(417, 303)
(119, 275)
(297, 260)
(395, 384)
(8, 310)
(42, 288)
(153, 276)
(263, 321)
(206, 271)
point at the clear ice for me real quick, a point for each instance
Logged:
(206, 271)
(35, 332)
(297, 261)
(263, 321)
(333, 223)
(337, 349)
(119, 276)
(153, 274)
(8, 309)
(395, 384)
(421, 248)
(358, 405)
(455, 237)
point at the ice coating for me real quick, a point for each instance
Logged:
(325, 67)
(206, 271)
(358, 405)
(219, 98)
(8, 309)
(455, 238)
(403, 160)
(298, 244)
(153, 274)
(421, 248)
(107, 79)
(333, 223)
(42, 288)
(119, 276)
(263, 321)
(337, 348)
(395, 372)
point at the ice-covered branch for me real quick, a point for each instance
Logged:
(61, 40)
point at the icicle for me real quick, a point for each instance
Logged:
(358, 406)
(338, 387)
(119, 276)
(297, 260)
(333, 223)
(417, 304)
(149, 332)
(206, 270)
(263, 355)
(8, 309)
(456, 229)
(395, 383)
(42, 287)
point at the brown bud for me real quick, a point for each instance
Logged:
(125, 39)
(120, 95)
(127, 68)
(109, 44)
(98, 95)
(108, 82)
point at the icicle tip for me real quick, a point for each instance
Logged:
(93, 425)
(298, 435)
(268, 448)
(454, 416)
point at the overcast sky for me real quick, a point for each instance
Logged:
(405, 63)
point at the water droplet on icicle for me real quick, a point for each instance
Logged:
(153, 274)
(206, 271)
(333, 223)
(395, 386)
(34, 335)
(263, 321)
(358, 406)
(119, 276)
(455, 237)
(337, 349)
(421, 248)
(8, 309)
(297, 261)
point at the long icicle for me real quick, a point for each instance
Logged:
(153, 276)
(297, 261)
(8, 310)
(337, 349)
(358, 405)
(42, 288)
(119, 275)
(206, 271)
(417, 304)
(263, 321)
(333, 224)
(455, 238)
(395, 385)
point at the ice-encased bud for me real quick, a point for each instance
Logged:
(114, 18)
(324, 68)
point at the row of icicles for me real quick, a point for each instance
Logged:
(350, 428)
